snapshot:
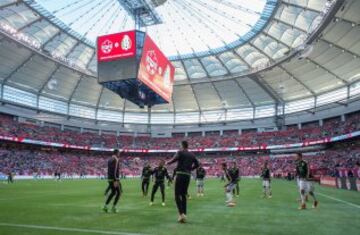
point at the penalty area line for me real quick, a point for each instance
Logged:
(339, 200)
(63, 229)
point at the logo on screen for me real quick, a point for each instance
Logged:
(126, 43)
(151, 62)
(106, 46)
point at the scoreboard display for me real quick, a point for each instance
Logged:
(131, 65)
(155, 70)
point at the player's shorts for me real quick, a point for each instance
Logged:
(266, 183)
(230, 186)
(199, 182)
(305, 185)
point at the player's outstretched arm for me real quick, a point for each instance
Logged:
(174, 159)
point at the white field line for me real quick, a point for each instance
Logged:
(339, 200)
(63, 229)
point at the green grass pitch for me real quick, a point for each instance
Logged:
(74, 207)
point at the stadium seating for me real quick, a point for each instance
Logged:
(22, 160)
(331, 127)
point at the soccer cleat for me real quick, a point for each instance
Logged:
(105, 209)
(315, 205)
(163, 204)
(231, 204)
(270, 196)
(302, 207)
(181, 219)
(114, 210)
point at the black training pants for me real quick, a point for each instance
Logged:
(181, 189)
(145, 186)
(162, 190)
(115, 191)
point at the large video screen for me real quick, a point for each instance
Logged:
(116, 46)
(116, 55)
(155, 70)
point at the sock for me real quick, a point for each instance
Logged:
(229, 196)
(302, 198)
(312, 194)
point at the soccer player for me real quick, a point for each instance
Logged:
(58, 173)
(10, 178)
(305, 184)
(159, 174)
(235, 173)
(265, 175)
(200, 175)
(230, 186)
(114, 182)
(145, 179)
(186, 162)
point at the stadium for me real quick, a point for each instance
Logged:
(179, 117)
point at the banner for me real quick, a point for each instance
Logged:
(156, 71)
(328, 181)
(116, 46)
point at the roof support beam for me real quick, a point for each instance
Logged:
(91, 58)
(298, 80)
(331, 44)
(98, 102)
(242, 59)
(75, 88)
(222, 63)
(50, 77)
(10, 4)
(286, 3)
(123, 113)
(267, 88)
(323, 68)
(280, 66)
(174, 109)
(50, 39)
(212, 83)
(29, 24)
(18, 68)
(196, 100)
(276, 40)
(247, 97)
(243, 91)
(72, 49)
(314, 10)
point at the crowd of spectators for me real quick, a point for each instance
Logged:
(331, 127)
(340, 160)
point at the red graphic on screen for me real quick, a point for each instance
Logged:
(156, 71)
(116, 46)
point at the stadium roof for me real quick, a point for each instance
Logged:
(292, 55)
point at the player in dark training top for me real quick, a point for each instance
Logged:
(305, 182)
(265, 175)
(159, 174)
(145, 179)
(186, 162)
(235, 173)
(114, 182)
(230, 186)
(200, 175)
